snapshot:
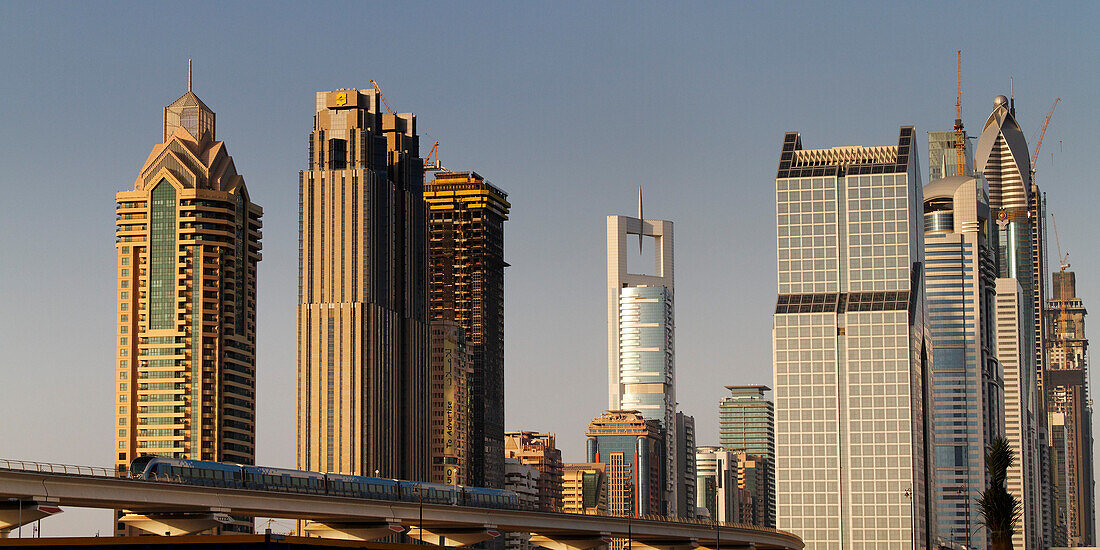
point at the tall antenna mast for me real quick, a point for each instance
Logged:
(960, 136)
(188, 75)
(640, 218)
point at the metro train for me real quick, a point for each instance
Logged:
(236, 476)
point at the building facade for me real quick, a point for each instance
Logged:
(363, 339)
(967, 391)
(746, 422)
(524, 481)
(641, 333)
(540, 451)
(450, 362)
(852, 354)
(584, 488)
(716, 484)
(631, 448)
(466, 225)
(685, 465)
(1069, 411)
(1002, 157)
(188, 242)
(755, 479)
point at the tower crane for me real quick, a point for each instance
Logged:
(381, 96)
(1042, 134)
(960, 136)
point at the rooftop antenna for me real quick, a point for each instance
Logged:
(188, 75)
(640, 217)
(1011, 96)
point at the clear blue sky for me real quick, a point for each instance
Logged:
(567, 106)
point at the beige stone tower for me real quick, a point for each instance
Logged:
(363, 341)
(188, 242)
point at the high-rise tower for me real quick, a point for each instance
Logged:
(1001, 156)
(1070, 410)
(851, 349)
(961, 268)
(466, 223)
(641, 335)
(188, 242)
(363, 341)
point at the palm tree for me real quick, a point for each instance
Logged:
(999, 508)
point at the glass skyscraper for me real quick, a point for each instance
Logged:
(851, 349)
(641, 336)
(1001, 156)
(968, 400)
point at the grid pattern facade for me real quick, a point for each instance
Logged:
(466, 236)
(188, 243)
(850, 382)
(363, 337)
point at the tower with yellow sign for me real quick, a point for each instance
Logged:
(363, 341)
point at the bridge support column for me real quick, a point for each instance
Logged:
(176, 524)
(453, 536)
(16, 513)
(570, 542)
(353, 530)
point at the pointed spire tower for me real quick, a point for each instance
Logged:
(188, 243)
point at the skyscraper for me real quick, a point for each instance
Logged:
(1070, 411)
(967, 393)
(363, 342)
(746, 420)
(1001, 156)
(188, 242)
(631, 448)
(640, 334)
(850, 347)
(467, 272)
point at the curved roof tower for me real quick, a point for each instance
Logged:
(1002, 155)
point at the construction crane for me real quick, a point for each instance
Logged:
(1042, 134)
(381, 96)
(960, 136)
(435, 165)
